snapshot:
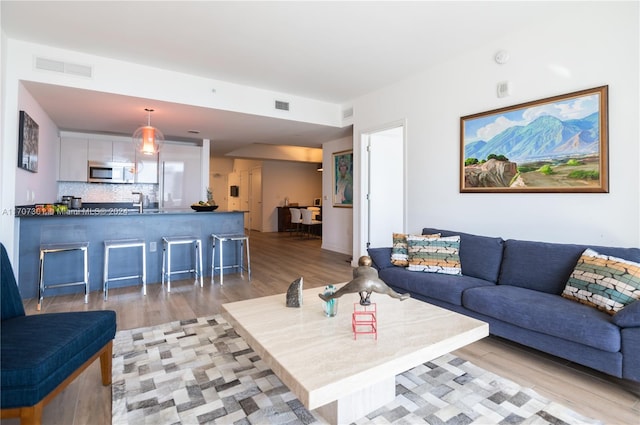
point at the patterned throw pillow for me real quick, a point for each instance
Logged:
(434, 255)
(604, 282)
(399, 252)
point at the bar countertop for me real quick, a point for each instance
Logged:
(94, 226)
(108, 209)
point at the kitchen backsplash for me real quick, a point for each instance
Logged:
(97, 192)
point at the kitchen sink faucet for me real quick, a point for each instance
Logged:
(139, 203)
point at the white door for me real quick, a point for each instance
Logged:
(256, 199)
(386, 176)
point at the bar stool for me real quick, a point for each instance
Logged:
(167, 243)
(244, 243)
(120, 244)
(83, 247)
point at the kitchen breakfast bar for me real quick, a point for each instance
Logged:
(96, 225)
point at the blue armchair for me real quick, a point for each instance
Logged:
(43, 353)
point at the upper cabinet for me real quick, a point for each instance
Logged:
(123, 151)
(111, 151)
(73, 160)
(78, 149)
(76, 152)
(99, 150)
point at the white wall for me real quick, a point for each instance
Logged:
(40, 187)
(337, 223)
(597, 45)
(219, 169)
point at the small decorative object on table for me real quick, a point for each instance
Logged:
(364, 320)
(294, 293)
(331, 305)
(365, 281)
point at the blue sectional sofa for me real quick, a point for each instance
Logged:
(516, 287)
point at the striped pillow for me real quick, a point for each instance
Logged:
(399, 252)
(604, 282)
(434, 255)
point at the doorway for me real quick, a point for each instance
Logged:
(385, 184)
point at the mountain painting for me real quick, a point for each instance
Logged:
(558, 144)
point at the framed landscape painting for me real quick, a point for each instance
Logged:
(343, 179)
(28, 143)
(557, 144)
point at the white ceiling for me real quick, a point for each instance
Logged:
(330, 51)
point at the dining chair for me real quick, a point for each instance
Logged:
(307, 221)
(296, 218)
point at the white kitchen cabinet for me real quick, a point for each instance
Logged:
(180, 175)
(100, 150)
(147, 166)
(73, 159)
(111, 151)
(124, 151)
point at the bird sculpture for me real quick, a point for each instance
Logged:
(365, 281)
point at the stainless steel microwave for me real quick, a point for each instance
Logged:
(110, 172)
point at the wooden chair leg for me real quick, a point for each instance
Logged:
(31, 415)
(105, 363)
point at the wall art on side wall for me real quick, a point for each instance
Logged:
(28, 143)
(343, 179)
(557, 144)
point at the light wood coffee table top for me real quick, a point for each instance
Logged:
(319, 360)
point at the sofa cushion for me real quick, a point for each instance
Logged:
(381, 257)
(628, 317)
(443, 287)
(547, 266)
(434, 255)
(38, 352)
(480, 256)
(605, 282)
(545, 313)
(400, 250)
(541, 266)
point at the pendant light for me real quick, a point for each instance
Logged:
(148, 139)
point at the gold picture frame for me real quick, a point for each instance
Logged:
(557, 144)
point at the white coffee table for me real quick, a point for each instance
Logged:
(343, 378)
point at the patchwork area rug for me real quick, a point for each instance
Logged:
(201, 371)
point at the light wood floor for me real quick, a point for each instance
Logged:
(277, 260)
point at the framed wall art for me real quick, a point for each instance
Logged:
(343, 179)
(557, 144)
(28, 143)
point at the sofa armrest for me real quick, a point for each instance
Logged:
(381, 257)
(628, 317)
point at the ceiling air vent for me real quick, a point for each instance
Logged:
(282, 105)
(63, 67)
(347, 113)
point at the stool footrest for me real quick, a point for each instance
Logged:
(62, 285)
(133, 276)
